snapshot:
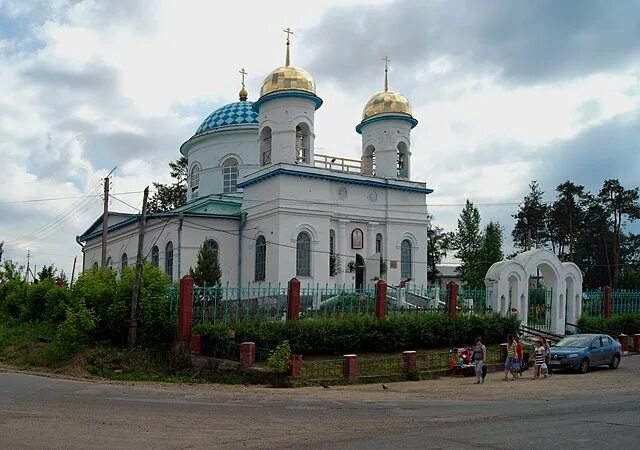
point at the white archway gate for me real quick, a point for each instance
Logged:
(508, 284)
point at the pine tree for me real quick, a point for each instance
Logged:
(491, 249)
(467, 243)
(531, 220)
(207, 271)
(171, 196)
(566, 217)
(439, 242)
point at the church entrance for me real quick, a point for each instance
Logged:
(359, 272)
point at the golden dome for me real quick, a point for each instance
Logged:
(386, 102)
(288, 78)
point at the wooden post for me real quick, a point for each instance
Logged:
(105, 216)
(133, 318)
(452, 299)
(608, 302)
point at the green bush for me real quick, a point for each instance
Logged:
(628, 324)
(13, 294)
(280, 359)
(96, 289)
(155, 325)
(366, 333)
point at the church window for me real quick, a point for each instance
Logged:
(194, 178)
(109, 263)
(168, 260)
(155, 256)
(261, 258)
(303, 254)
(332, 253)
(214, 245)
(125, 261)
(230, 175)
(379, 243)
(265, 146)
(302, 143)
(405, 259)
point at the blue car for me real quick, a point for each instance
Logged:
(581, 351)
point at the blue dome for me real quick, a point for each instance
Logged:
(231, 115)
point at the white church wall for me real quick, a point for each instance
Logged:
(210, 151)
(384, 136)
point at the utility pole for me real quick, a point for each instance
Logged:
(26, 275)
(105, 214)
(73, 271)
(133, 321)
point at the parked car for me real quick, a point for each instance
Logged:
(582, 351)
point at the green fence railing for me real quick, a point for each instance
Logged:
(625, 302)
(230, 304)
(592, 303)
(336, 301)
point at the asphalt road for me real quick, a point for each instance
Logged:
(38, 412)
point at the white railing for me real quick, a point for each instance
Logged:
(337, 163)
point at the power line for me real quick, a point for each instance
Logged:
(51, 199)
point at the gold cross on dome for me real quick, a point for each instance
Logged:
(386, 62)
(289, 32)
(386, 70)
(243, 72)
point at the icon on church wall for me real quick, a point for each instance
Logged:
(393, 264)
(356, 239)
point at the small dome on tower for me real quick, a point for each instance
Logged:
(288, 78)
(386, 102)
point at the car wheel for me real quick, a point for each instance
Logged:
(584, 366)
(615, 362)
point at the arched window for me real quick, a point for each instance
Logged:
(261, 258)
(369, 161)
(229, 175)
(194, 178)
(403, 160)
(379, 243)
(265, 146)
(214, 245)
(303, 255)
(332, 253)
(302, 143)
(405, 259)
(168, 260)
(109, 263)
(125, 262)
(155, 256)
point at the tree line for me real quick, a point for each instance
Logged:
(589, 229)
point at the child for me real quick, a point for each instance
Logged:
(538, 357)
(519, 356)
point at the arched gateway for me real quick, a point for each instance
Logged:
(546, 292)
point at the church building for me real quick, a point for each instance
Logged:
(274, 209)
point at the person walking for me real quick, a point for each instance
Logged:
(538, 357)
(547, 354)
(511, 358)
(479, 356)
(519, 356)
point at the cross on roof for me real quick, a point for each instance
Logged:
(289, 32)
(243, 72)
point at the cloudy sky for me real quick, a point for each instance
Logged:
(505, 92)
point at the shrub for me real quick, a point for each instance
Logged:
(367, 333)
(96, 289)
(280, 359)
(628, 324)
(13, 294)
(155, 325)
(76, 330)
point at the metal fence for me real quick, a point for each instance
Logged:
(229, 304)
(336, 301)
(622, 302)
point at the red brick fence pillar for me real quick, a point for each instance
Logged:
(196, 344)
(410, 360)
(381, 299)
(636, 342)
(295, 371)
(350, 366)
(247, 354)
(185, 308)
(608, 302)
(294, 299)
(622, 338)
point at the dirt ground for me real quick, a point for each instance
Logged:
(599, 380)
